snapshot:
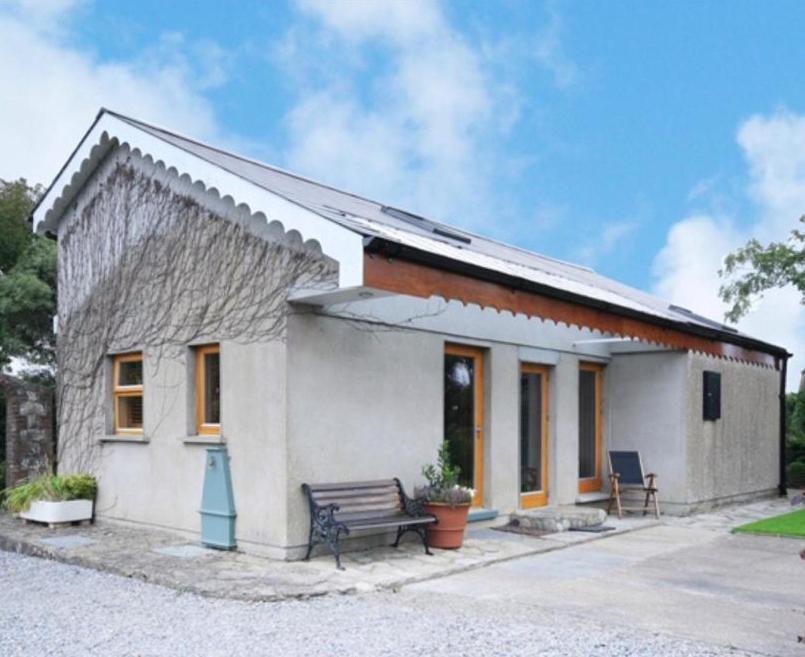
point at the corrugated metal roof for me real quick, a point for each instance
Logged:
(372, 219)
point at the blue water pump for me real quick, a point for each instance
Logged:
(218, 502)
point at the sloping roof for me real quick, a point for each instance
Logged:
(371, 219)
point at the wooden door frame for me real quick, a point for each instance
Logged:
(477, 354)
(594, 484)
(539, 498)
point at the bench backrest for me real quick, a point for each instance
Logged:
(359, 499)
(628, 465)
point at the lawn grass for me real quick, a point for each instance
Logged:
(788, 524)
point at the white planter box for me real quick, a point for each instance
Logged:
(54, 512)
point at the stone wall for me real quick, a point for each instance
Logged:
(29, 430)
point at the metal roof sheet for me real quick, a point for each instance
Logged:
(373, 219)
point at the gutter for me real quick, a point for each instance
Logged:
(390, 249)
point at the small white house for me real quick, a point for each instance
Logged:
(322, 337)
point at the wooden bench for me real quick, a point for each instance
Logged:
(339, 509)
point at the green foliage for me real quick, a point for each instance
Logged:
(17, 200)
(796, 474)
(759, 268)
(795, 438)
(27, 290)
(52, 488)
(442, 481)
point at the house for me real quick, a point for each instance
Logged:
(209, 299)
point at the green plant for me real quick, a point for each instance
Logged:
(442, 478)
(796, 474)
(51, 488)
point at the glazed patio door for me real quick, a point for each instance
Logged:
(591, 395)
(533, 436)
(464, 414)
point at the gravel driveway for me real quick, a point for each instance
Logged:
(47, 608)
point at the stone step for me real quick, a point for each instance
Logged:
(558, 519)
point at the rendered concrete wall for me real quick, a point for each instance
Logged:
(363, 403)
(737, 456)
(156, 479)
(645, 402)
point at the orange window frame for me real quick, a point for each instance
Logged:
(119, 391)
(593, 484)
(538, 498)
(204, 428)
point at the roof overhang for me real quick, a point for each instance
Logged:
(401, 269)
(108, 132)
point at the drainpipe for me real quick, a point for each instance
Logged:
(782, 487)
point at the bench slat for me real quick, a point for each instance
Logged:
(360, 514)
(372, 493)
(403, 521)
(352, 485)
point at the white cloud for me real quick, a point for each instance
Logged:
(53, 90)
(609, 237)
(686, 268)
(419, 127)
(550, 53)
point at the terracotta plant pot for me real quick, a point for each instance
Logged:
(448, 533)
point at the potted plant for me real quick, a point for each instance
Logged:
(444, 498)
(53, 499)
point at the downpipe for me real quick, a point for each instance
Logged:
(783, 488)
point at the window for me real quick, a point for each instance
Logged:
(533, 435)
(208, 390)
(591, 382)
(127, 393)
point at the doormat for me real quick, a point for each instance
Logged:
(594, 529)
(519, 529)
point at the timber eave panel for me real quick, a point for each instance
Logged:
(403, 276)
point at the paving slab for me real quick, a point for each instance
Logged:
(688, 577)
(165, 558)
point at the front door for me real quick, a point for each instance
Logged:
(533, 436)
(464, 414)
(591, 396)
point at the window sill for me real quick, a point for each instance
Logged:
(124, 438)
(204, 440)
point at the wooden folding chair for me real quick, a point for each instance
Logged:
(626, 476)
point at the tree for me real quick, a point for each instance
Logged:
(27, 280)
(757, 268)
(17, 200)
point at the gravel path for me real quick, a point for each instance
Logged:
(48, 608)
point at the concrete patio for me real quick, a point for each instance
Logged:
(171, 560)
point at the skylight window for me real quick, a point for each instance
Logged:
(425, 224)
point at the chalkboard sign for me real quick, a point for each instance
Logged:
(628, 466)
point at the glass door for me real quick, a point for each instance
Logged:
(464, 414)
(533, 436)
(591, 380)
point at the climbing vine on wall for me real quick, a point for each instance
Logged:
(145, 265)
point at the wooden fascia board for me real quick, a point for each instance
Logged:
(403, 276)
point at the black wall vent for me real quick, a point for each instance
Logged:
(712, 395)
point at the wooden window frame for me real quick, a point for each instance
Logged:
(204, 428)
(539, 498)
(594, 484)
(119, 391)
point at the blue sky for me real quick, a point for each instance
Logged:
(644, 139)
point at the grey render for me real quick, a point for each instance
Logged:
(354, 389)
